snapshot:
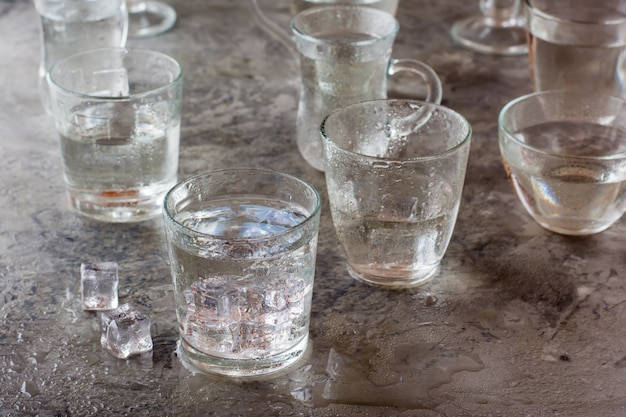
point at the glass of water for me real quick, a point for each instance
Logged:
(578, 47)
(565, 154)
(68, 27)
(117, 112)
(395, 171)
(242, 245)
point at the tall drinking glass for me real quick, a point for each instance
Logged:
(71, 26)
(581, 47)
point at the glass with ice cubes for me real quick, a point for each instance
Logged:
(117, 113)
(242, 245)
(395, 171)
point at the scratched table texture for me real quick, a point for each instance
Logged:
(517, 322)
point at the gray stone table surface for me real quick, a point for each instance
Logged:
(517, 322)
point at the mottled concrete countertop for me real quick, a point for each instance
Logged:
(517, 322)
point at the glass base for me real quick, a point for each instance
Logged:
(149, 18)
(243, 368)
(127, 206)
(479, 34)
(397, 280)
(575, 227)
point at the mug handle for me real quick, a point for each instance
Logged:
(430, 77)
(273, 29)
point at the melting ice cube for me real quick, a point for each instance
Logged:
(98, 285)
(125, 331)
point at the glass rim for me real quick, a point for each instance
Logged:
(509, 107)
(450, 150)
(539, 12)
(189, 231)
(123, 51)
(377, 14)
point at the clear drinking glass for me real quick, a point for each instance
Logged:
(117, 112)
(345, 57)
(565, 154)
(71, 26)
(500, 29)
(580, 47)
(149, 18)
(242, 245)
(395, 171)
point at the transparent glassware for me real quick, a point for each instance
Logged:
(149, 18)
(500, 29)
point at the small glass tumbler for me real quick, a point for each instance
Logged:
(242, 245)
(117, 112)
(395, 171)
(565, 154)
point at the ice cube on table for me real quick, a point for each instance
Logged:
(125, 331)
(98, 285)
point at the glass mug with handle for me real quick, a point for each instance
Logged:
(395, 171)
(345, 57)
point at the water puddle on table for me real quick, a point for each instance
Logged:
(402, 376)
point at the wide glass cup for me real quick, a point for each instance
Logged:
(117, 112)
(565, 154)
(242, 245)
(395, 171)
